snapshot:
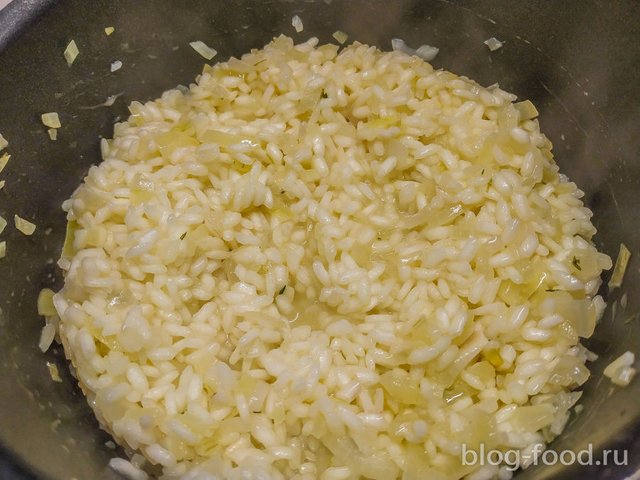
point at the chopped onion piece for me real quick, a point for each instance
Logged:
(3, 142)
(115, 66)
(427, 52)
(620, 370)
(532, 417)
(296, 21)
(53, 371)
(526, 109)
(3, 249)
(109, 30)
(53, 133)
(568, 371)
(340, 36)
(46, 337)
(3, 223)
(1, 184)
(4, 159)
(203, 49)
(621, 267)
(23, 225)
(51, 120)
(45, 303)
(71, 52)
(493, 43)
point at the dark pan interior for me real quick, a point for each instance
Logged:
(578, 61)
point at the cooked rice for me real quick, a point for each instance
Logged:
(328, 265)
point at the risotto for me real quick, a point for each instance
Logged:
(328, 263)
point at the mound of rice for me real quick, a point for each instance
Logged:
(322, 264)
